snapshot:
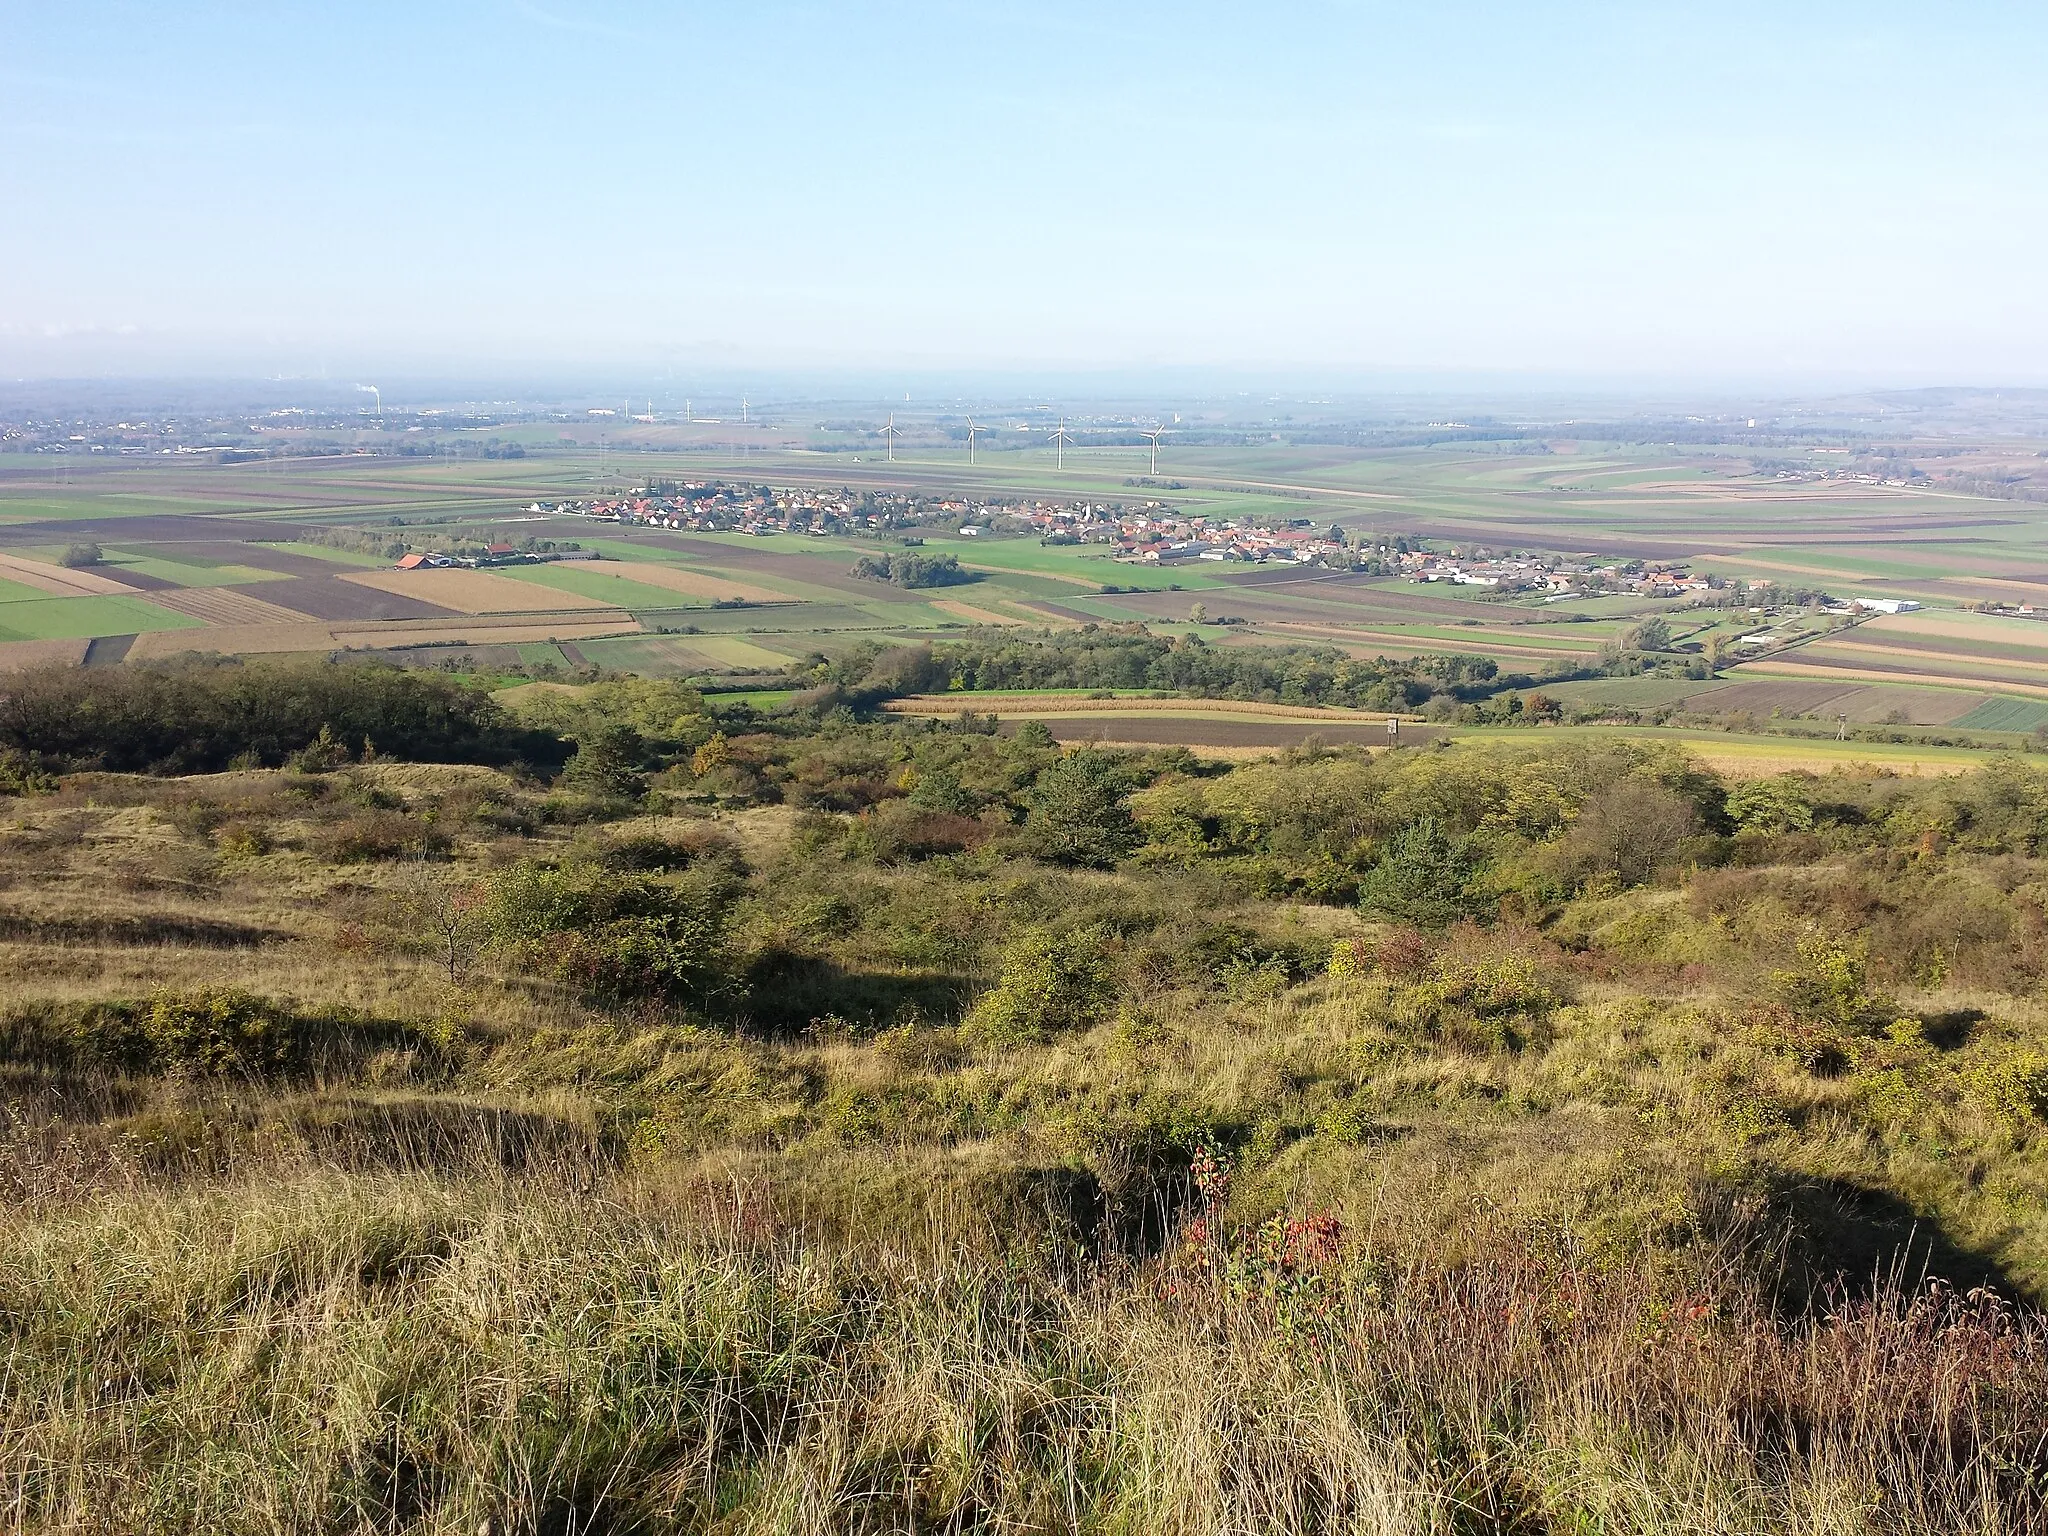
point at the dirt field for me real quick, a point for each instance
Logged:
(59, 582)
(328, 597)
(475, 592)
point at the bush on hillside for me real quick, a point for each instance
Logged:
(1079, 812)
(1425, 878)
(1051, 982)
(194, 1032)
(615, 934)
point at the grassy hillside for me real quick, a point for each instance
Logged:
(802, 1121)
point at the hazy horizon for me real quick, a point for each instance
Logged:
(1598, 197)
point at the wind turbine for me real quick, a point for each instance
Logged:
(971, 430)
(1155, 434)
(1059, 445)
(891, 433)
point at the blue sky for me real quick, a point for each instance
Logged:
(1329, 190)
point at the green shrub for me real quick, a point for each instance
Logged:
(618, 935)
(1079, 812)
(201, 716)
(1424, 878)
(21, 774)
(200, 1032)
(1051, 981)
(1828, 983)
(2013, 1085)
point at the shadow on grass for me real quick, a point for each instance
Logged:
(789, 991)
(1848, 1239)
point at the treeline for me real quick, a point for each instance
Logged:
(203, 716)
(1118, 656)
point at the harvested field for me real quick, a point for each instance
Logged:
(1395, 643)
(972, 614)
(313, 635)
(261, 557)
(473, 592)
(1863, 704)
(59, 582)
(151, 528)
(1221, 734)
(1779, 698)
(16, 654)
(1961, 626)
(1931, 666)
(688, 583)
(1058, 613)
(730, 651)
(1981, 646)
(224, 605)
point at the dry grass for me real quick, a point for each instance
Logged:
(404, 1352)
(590, 1269)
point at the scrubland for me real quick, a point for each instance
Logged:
(813, 1122)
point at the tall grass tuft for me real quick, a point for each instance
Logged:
(309, 1348)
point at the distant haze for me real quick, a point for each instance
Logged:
(1339, 191)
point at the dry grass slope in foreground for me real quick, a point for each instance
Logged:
(803, 1124)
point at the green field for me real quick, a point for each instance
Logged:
(348, 557)
(83, 618)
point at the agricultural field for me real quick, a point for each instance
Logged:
(275, 556)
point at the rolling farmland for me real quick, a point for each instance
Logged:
(271, 557)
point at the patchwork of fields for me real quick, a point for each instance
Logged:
(272, 559)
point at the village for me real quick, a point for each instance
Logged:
(1149, 533)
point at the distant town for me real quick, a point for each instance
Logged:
(1147, 533)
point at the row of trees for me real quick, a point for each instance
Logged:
(205, 715)
(1129, 656)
